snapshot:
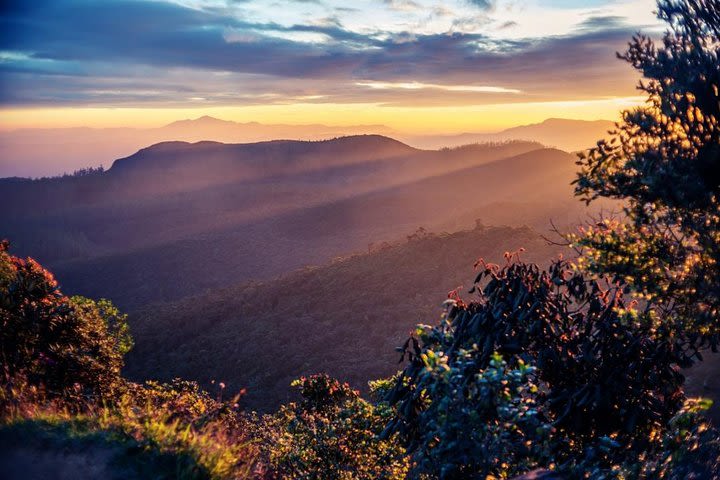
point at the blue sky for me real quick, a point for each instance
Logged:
(393, 53)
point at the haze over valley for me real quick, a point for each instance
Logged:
(39, 152)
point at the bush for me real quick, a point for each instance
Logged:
(604, 373)
(331, 434)
(70, 347)
(688, 449)
(486, 426)
(154, 431)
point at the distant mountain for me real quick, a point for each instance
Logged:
(34, 152)
(568, 135)
(213, 162)
(39, 152)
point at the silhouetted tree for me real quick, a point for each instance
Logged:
(604, 340)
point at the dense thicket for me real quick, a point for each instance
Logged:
(331, 434)
(588, 380)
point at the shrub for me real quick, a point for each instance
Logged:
(186, 402)
(663, 161)
(331, 433)
(688, 449)
(486, 426)
(155, 431)
(71, 347)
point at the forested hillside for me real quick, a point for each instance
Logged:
(345, 318)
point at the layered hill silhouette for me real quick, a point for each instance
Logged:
(40, 152)
(179, 218)
(565, 134)
(37, 152)
(149, 230)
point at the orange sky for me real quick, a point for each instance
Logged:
(480, 118)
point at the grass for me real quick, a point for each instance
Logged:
(134, 441)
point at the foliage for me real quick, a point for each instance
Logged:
(332, 433)
(72, 347)
(167, 430)
(603, 372)
(477, 427)
(186, 402)
(688, 449)
(664, 161)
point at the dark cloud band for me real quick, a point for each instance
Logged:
(86, 52)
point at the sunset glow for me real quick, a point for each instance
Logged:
(416, 66)
(481, 118)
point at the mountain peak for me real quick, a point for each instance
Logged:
(204, 120)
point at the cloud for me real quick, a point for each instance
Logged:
(433, 86)
(117, 52)
(402, 5)
(602, 22)
(483, 4)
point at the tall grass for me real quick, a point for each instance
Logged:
(169, 445)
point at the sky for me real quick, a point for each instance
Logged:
(419, 66)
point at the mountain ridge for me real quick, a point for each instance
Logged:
(43, 152)
(566, 134)
(349, 141)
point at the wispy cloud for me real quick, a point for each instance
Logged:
(432, 86)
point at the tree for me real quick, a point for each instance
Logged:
(70, 347)
(603, 382)
(606, 339)
(663, 160)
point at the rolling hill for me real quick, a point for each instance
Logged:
(138, 233)
(40, 152)
(37, 152)
(344, 318)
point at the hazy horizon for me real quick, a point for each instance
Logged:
(46, 152)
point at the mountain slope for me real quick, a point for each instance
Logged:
(52, 151)
(344, 318)
(527, 189)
